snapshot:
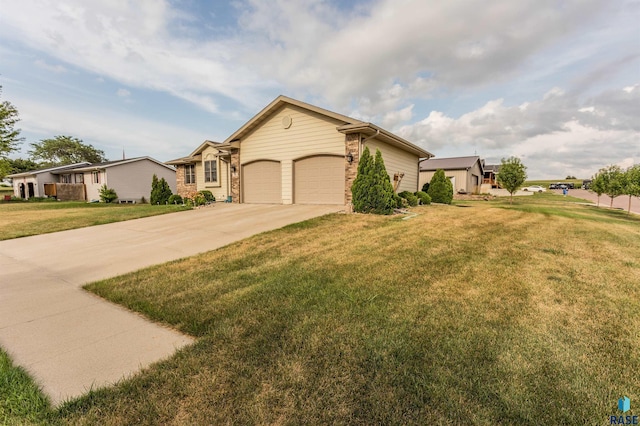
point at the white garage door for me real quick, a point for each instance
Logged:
(319, 180)
(262, 182)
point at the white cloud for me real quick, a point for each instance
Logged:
(53, 68)
(553, 135)
(130, 42)
(123, 93)
(109, 130)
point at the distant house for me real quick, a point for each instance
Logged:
(490, 175)
(130, 178)
(292, 152)
(466, 173)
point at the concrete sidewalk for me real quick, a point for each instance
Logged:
(621, 202)
(71, 341)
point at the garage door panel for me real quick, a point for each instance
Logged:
(319, 180)
(262, 182)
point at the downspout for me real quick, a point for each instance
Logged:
(364, 140)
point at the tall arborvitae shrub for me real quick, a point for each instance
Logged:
(160, 191)
(440, 188)
(383, 196)
(372, 190)
(362, 184)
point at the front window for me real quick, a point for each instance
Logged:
(189, 174)
(95, 177)
(65, 178)
(79, 178)
(211, 171)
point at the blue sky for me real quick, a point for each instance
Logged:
(556, 83)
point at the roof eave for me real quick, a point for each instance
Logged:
(371, 129)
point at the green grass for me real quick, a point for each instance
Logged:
(20, 219)
(21, 401)
(492, 314)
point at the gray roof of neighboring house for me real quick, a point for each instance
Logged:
(492, 168)
(107, 164)
(452, 163)
(50, 170)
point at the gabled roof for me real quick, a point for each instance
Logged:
(109, 164)
(276, 104)
(452, 163)
(50, 170)
(349, 125)
(195, 155)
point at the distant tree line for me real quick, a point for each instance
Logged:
(613, 181)
(50, 152)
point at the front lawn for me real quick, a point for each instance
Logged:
(21, 219)
(483, 313)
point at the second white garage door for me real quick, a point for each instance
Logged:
(262, 182)
(319, 180)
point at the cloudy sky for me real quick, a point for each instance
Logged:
(554, 82)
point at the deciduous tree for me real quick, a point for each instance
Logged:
(632, 183)
(612, 180)
(62, 150)
(597, 186)
(9, 135)
(512, 175)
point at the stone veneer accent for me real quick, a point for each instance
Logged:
(183, 188)
(351, 145)
(235, 177)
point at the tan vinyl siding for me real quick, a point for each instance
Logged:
(309, 134)
(463, 178)
(396, 160)
(220, 188)
(459, 178)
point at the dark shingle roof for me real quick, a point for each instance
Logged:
(452, 163)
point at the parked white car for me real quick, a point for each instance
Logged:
(534, 188)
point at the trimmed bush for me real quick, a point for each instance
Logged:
(440, 188)
(423, 197)
(175, 199)
(107, 195)
(208, 196)
(400, 202)
(412, 200)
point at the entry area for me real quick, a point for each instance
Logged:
(319, 180)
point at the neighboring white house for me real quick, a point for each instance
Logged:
(130, 178)
(465, 173)
(31, 184)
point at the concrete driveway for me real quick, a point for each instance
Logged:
(71, 341)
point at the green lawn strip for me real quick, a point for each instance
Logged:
(21, 401)
(20, 219)
(481, 315)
